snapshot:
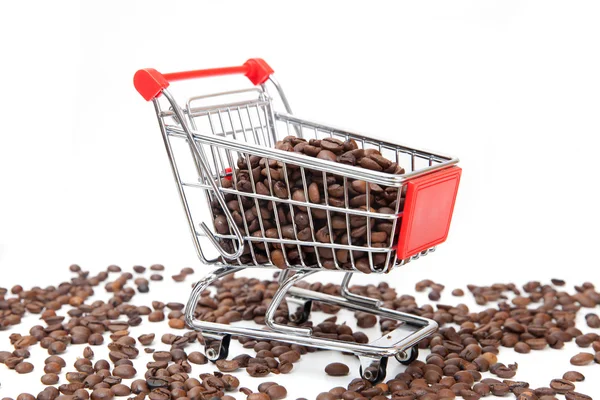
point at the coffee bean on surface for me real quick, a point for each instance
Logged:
(592, 320)
(102, 394)
(337, 369)
(24, 367)
(124, 371)
(276, 392)
(227, 365)
(577, 396)
(582, 359)
(562, 386)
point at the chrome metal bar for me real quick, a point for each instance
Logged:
(408, 334)
(276, 301)
(282, 95)
(203, 163)
(349, 171)
(182, 195)
(347, 294)
(327, 207)
(201, 286)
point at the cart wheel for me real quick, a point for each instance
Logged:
(376, 372)
(218, 348)
(302, 314)
(407, 356)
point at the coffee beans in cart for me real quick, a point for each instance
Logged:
(290, 193)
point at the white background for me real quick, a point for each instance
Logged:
(511, 87)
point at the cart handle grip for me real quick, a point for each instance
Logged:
(150, 83)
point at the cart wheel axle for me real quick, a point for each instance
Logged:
(406, 357)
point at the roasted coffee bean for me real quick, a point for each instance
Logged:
(522, 348)
(124, 371)
(574, 376)
(146, 339)
(257, 370)
(337, 369)
(592, 320)
(57, 347)
(102, 394)
(120, 390)
(562, 386)
(365, 320)
(577, 396)
(24, 367)
(258, 396)
(276, 392)
(313, 193)
(49, 379)
(227, 365)
(582, 359)
(327, 155)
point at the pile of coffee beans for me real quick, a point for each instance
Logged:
(261, 218)
(464, 358)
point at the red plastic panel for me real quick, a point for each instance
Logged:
(427, 211)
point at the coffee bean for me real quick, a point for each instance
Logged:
(337, 369)
(258, 396)
(522, 348)
(313, 193)
(49, 379)
(592, 320)
(24, 367)
(176, 323)
(146, 339)
(156, 316)
(577, 396)
(57, 347)
(276, 392)
(582, 359)
(227, 365)
(120, 390)
(257, 370)
(574, 376)
(369, 163)
(562, 386)
(102, 394)
(365, 320)
(197, 358)
(124, 371)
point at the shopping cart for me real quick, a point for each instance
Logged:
(212, 136)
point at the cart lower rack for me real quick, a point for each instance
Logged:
(289, 193)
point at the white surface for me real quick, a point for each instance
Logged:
(510, 87)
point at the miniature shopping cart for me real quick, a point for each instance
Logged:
(209, 137)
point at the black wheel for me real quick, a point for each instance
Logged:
(302, 317)
(407, 356)
(222, 348)
(375, 374)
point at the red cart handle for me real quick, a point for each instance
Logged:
(150, 83)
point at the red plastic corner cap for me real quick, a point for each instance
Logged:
(428, 211)
(149, 83)
(258, 70)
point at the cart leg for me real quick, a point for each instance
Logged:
(216, 345)
(298, 309)
(355, 298)
(216, 340)
(288, 282)
(373, 369)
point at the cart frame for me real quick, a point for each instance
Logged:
(417, 191)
